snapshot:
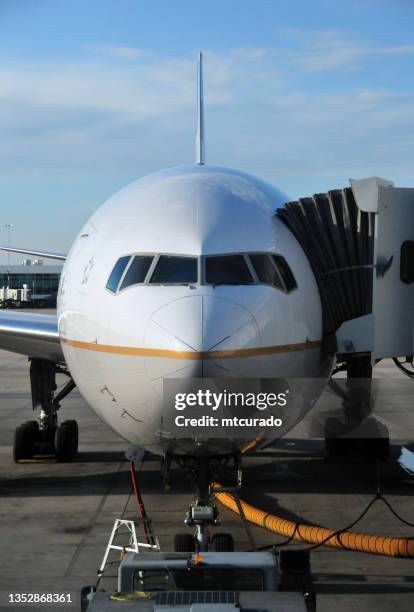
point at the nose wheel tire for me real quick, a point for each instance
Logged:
(24, 440)
(183, 542)
(66, 441)
(222, 542)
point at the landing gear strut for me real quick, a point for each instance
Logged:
(203, 513)
(44, 436)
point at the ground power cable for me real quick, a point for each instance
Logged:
(378, 497)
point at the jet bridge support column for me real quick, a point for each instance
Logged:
(357, 433)
(357, 402)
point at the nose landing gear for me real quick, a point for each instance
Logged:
(44, 436)
(203, 513)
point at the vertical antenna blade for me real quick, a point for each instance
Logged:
(200, 152)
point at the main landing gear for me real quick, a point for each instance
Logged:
(45, 436)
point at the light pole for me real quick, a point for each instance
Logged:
(9, 227)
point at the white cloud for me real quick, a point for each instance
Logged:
(151, 87)
(127, 118)
(326, 50)
(73, 133)
(122, 53)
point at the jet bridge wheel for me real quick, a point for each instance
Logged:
(24, 440)
(66, 440)
(184, 542)
(222, 542)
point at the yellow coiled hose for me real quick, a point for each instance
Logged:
(391, 547)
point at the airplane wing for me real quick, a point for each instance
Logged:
(31, 334)
(34, 253)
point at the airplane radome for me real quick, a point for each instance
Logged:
(185, 273)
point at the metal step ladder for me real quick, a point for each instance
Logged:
(134, 545)
(126, 527)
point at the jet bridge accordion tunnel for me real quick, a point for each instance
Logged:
(360, 245)
(339, 243)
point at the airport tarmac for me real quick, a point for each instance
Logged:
(56, 518)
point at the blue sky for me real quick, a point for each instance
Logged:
(305, 94)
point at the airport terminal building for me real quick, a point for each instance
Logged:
(29, 284)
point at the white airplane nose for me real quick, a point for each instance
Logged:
(189, 333)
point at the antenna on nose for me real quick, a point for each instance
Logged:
(199, 148)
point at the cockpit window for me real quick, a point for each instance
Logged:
(266, 270)
(137, 271)
(117, 273)
(228, 270)
(285, 272)
(172, 269)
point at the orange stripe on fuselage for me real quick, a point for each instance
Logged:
(192, 355)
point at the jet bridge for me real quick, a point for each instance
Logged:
(360, 244)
